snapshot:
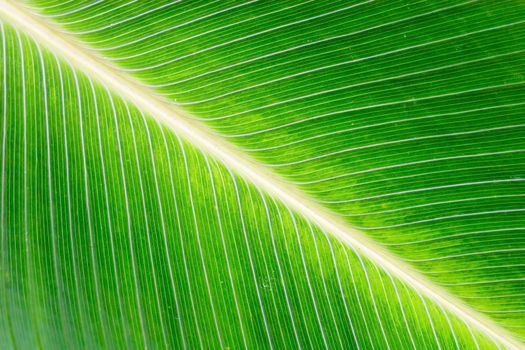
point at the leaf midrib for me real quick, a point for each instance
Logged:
(201, 136)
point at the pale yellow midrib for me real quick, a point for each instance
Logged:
(197, 133)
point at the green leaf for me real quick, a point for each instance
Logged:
(262, 174)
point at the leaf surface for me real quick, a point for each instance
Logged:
(262, 174)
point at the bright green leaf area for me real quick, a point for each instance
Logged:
(405, 118)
